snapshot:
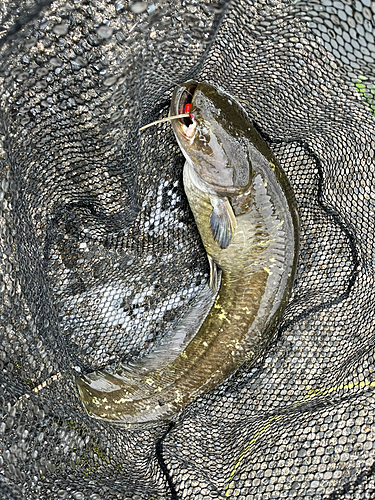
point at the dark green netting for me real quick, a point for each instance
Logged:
(100, 255)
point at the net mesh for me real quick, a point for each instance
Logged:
(100, 255)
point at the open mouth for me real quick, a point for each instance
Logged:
(185, 103)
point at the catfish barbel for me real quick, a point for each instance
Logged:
(246, 214)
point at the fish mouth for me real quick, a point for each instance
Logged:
(182, 96)
(187, 98)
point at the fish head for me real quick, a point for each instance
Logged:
(213, 137)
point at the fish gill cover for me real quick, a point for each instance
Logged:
(100, 256)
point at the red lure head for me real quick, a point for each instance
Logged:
(187, 110)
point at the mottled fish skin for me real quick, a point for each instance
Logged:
(246, 215)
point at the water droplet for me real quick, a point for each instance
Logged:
(20, 429)
(138, 7)
(41, 84)
(110, 81)
(215, 8)
(56, 61)
(60, 29)
(42, 71)
(40, 415)
(22, 77)
(30, 43)
(80, 62)
(104, 32)
(12, 469)
(9, 422)
(16, 71)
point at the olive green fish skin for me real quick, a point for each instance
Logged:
(258, 265)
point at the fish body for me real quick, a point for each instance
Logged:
(247, 218)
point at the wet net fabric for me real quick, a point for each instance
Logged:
(100, 255)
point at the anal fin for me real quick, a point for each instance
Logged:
(222, 221)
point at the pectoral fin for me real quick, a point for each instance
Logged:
(222, 221)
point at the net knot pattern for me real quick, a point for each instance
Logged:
(100, 256)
